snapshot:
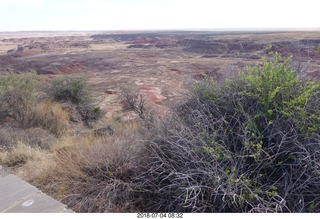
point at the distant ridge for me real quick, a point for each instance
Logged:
(170, 29)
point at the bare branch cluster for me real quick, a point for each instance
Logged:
(134, 101)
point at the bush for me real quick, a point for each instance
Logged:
(132, 100)
(78, 92)
(90, 113)
(18, 96)
(249, 145)
(20, 106)
(68, 89)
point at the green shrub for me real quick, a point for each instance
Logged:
(278, 91)
(20, 104)
(249, 145)
(68, 89)
(18, 96)
(90, 113)
(77, 91)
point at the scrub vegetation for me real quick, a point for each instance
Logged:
(249, 144)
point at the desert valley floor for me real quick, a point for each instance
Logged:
(158, 64)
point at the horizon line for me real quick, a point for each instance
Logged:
(174, 29)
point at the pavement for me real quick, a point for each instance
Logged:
(18, 196)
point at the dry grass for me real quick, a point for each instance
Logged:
(50, 116)
(31, 163)
(8, 137)
(89, 173)
(96, 171)
(20, 154)
(3, 154)
(38, 171)
(35, 137)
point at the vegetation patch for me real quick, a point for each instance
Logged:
(249, 145)
(78, 92)
(18, 96)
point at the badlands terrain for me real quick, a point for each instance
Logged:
(122, 163)
(158, 64)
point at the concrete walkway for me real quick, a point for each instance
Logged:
(18, 196)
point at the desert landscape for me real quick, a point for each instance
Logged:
(159, 64)
(92, 164)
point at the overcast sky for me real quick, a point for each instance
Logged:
(24, 15)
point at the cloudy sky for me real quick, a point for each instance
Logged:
(24, 15)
